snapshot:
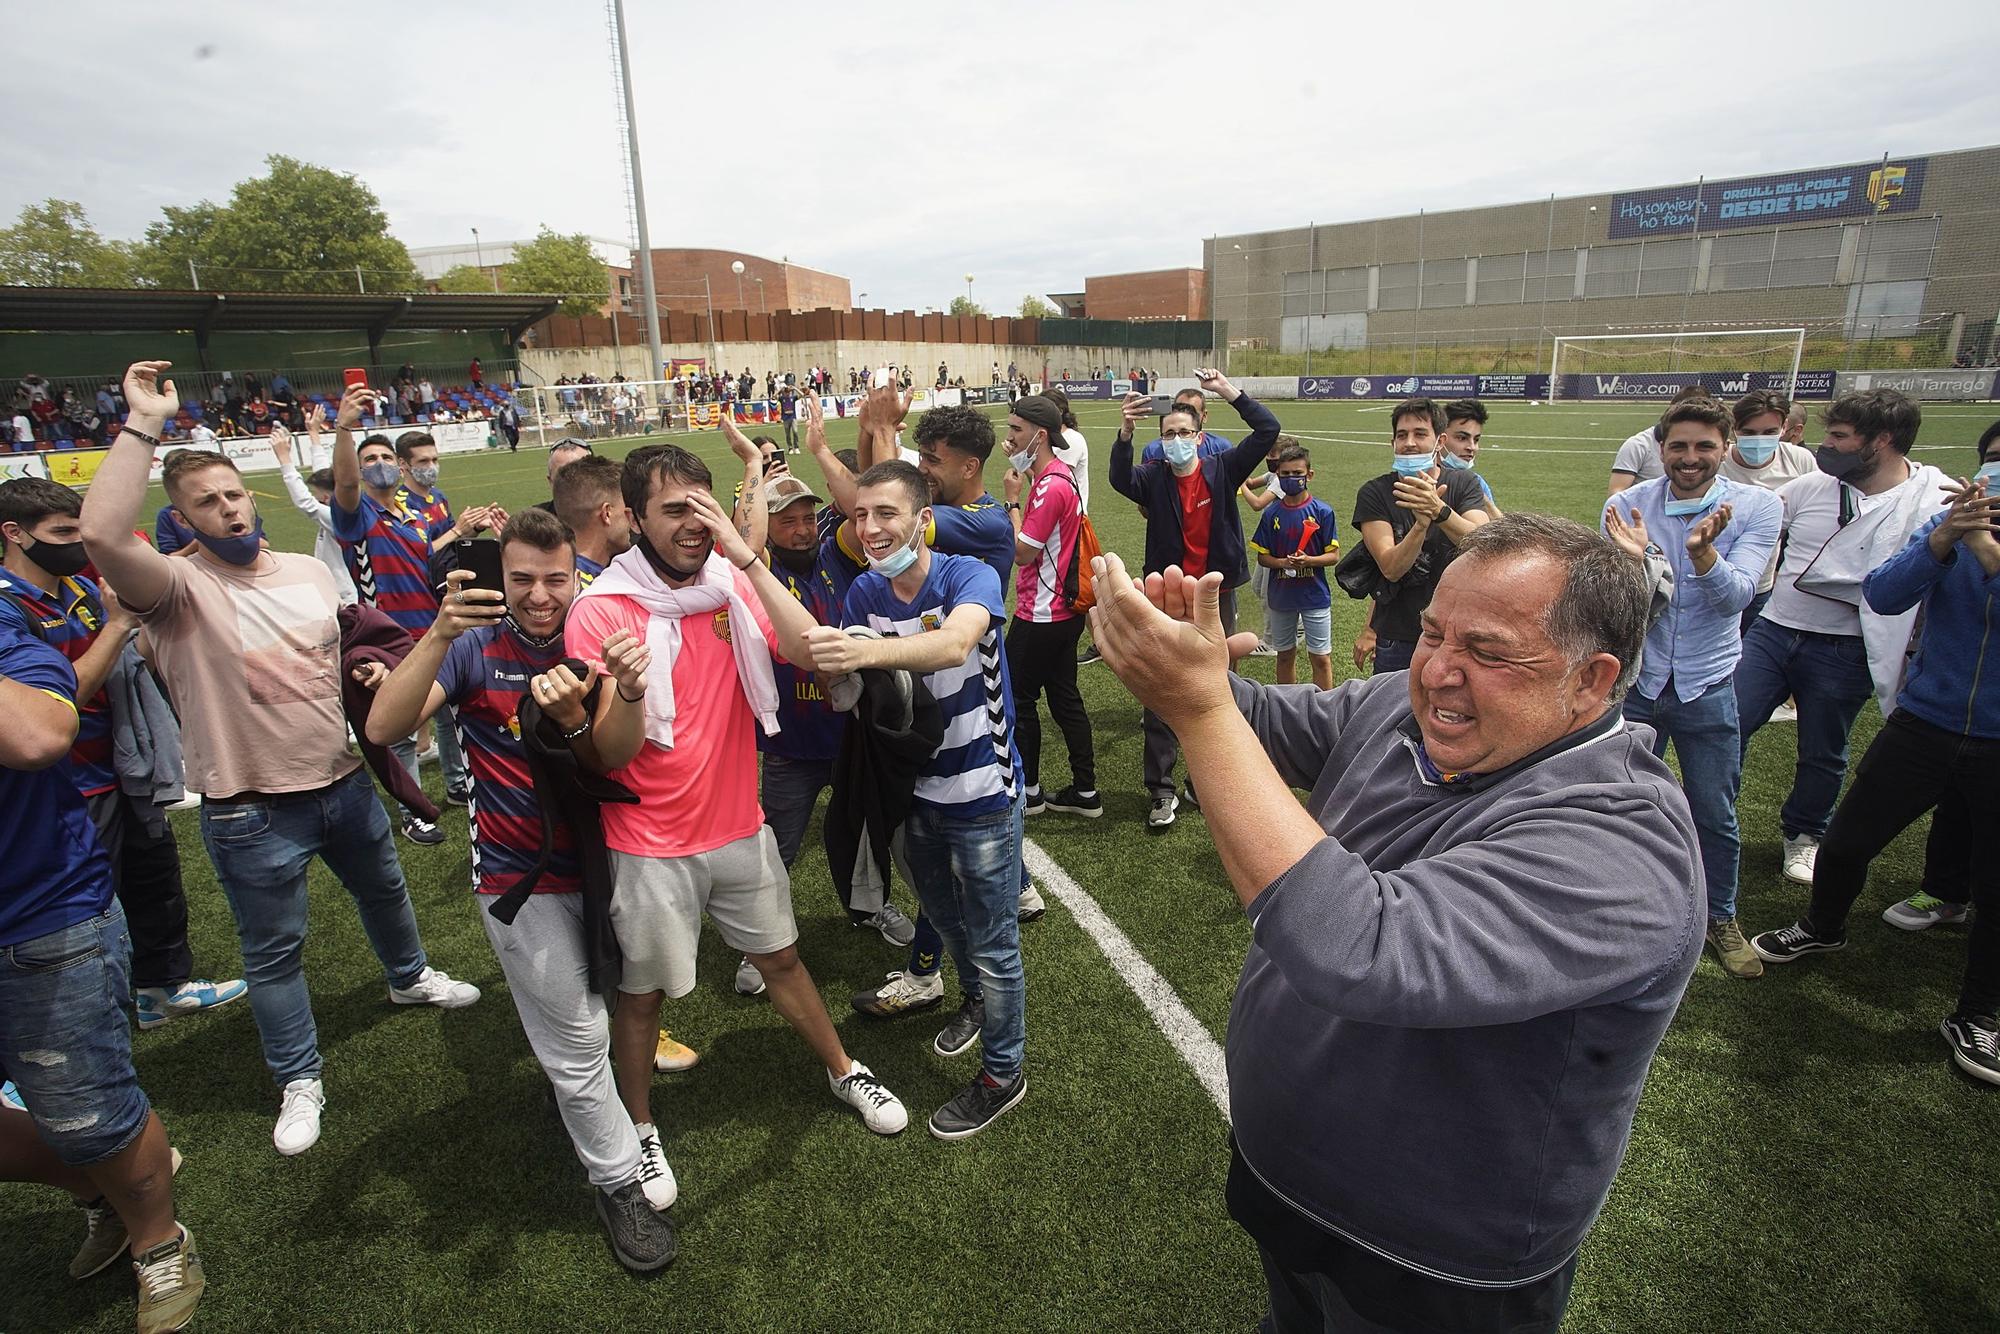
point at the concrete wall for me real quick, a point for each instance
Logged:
(972, 360)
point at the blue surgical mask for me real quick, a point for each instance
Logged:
(1292, 486)
(1757, 450)
(1409, 465)
(1681, 509)
(1454, 462)
(1179, 453)
(381, 476)
(241, 549)
(425, 477)
(1990, 474)
(897, 561)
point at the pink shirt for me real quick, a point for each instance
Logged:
(1050, 520)
(702, 793)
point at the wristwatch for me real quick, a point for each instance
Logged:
(1013, 504)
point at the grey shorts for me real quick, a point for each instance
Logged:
(657, 903)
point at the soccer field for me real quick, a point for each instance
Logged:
(1805, 1157)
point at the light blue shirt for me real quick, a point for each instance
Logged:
(1698, 639)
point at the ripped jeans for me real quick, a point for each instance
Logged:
(65, 1039)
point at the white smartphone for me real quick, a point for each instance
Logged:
(880, 379)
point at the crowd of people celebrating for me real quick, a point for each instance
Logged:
(641, 687)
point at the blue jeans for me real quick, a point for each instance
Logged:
(1753, 611)
(261, 851)
(967, 873)
(1393, 655)
(65, 1041)
(1828, 676)
(451, 758)
(1705, 737)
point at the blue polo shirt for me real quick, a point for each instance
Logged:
(57, 872)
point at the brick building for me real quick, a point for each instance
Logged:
(765, 285)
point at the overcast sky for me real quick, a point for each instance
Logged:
(905, 145)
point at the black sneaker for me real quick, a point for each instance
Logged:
(1034, 803)
(458, 796)
(977, 1108)
(1975, 1045)
(959, 1035)
(1793, 942)
(1088, 656)
(642, 1240)
(422, 831)
(1072, 802)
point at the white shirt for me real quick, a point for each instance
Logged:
(1807, 529)
(201, 437)
(1640, 454)
(1790, 461)
(1075, 452)
(429, 394)
(325, 545)
(24, 430)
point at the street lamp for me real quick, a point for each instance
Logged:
(479, 260)
(736, 267)
(762, 307)
(968, 289)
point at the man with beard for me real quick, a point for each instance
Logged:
(248, 643)
(682, 741)
(484, 655)
(1716, 536)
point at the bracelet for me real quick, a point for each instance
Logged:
(581, 729)
(152, 440)
(629, 699)
(745, 566)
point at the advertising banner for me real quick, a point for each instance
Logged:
(1432, 386)
(1340, 386)
(1087, 388)
(75, 467)
(1865, 189)
(252, 453)
(1961, 386)
(1513, 386)
(1725, 385)
(13, 466)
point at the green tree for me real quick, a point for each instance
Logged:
(54, 245)
(963, 306)
(564, 266)
(1034, 308)
(465, 278)
(298, 228)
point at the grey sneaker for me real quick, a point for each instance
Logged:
(749, 982)
(642, 1240)
(1162, 815)
(897, 929)
(1031, 907)
(959, 1035)
(978, 1107)
(170, 1284)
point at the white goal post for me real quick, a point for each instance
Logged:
(1645, 352)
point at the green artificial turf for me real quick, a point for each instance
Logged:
(1805, 1157)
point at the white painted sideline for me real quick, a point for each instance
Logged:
(1183, 1031)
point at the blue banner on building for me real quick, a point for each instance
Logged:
(1866, 189)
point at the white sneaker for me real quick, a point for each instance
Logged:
(298, 1119)
(433, 987)
(749, 982)
(880, 1109)
(1031, 906)
(1800, 854)
(1784, 713)
(656, 1179)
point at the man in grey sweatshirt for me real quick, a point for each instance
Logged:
(1468, 941)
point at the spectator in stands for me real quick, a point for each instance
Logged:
(1763, 457)
(1817, 642)
(87, 1128)
(476, 375)
(269, 757)
(426, 393)
(1939, 748)
(1192, 524)
(683, 743)
(1464, 422)
(1413, 519)
(1638, 459)
(1042, 638)
(21, 430)
(44, 593)
(1412, 960)
(1717, 536)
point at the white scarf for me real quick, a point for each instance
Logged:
(632, 575)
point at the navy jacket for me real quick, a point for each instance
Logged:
(1152, 485)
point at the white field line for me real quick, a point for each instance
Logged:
(1185, 1033)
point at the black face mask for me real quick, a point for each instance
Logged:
(1834, 463)
(645, 548)
(61, 559)
(798, 562)
(534, 641)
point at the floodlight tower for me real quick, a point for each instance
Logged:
(635, 188)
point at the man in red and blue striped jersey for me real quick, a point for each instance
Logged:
(484, 658)
(388, 544)
(417, 460)
(45, 595)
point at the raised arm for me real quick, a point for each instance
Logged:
(789, 617)
(346, 462)
(111, 506)
(753, 517)
(1253, 448)
(1125, 477)
(839, 481)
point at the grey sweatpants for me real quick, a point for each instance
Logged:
(568, 1028)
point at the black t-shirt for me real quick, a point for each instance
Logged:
(1397, 618)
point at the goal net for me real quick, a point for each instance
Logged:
(1644, 365)
(602, 410)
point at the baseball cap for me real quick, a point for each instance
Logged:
(1039, 411)
(788, 490)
